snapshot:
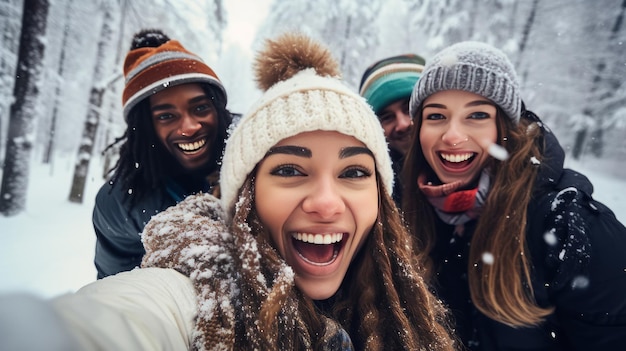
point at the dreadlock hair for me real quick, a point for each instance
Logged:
(144, 164)
(383, 302)
(501, 290)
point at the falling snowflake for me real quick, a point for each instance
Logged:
(498, 152)
(487, 258)
(550, 238)
(449, 60)
(580, 282)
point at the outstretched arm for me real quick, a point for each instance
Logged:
(144, 309)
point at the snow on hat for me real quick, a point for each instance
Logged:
(302, 94)
(475, 67)
(390, 79)
(149, 70)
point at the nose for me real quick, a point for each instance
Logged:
(403, 122)
(189, 125)
(324, 199)
(454, 135)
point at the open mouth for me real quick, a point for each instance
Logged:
(191, 148)
(318, 249)
(457, 160)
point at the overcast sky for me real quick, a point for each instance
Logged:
(244, 17)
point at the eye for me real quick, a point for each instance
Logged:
(356, 172)
(287, 171)
(163, 116)
(385, 118)
(203, 109)
(479, 115)
(434, 116)
(405, 108)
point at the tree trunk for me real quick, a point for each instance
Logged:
(579, 139)
(21, 123)
(530, 21)
(108, 137)
(597, 143)
(85, 149)
(57, 90)
(10, 23)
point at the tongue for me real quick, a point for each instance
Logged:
(315, 253)
(456, 165)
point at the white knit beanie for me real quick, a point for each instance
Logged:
(475, 67)
(302, 94)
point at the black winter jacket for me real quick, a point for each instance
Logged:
(578, 253)
(397, 160)
(118, 225)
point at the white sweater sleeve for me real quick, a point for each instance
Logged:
(144, 309)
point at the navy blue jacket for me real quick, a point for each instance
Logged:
(397, 160)
(118, 225)
(582, 273)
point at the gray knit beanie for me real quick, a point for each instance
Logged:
(475, 67)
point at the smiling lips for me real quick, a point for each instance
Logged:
(318, 249)
(191, 148)
(457, 160)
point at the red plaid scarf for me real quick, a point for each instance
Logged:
(454, 206)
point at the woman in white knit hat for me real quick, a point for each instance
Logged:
(305, 250)
(521, 252)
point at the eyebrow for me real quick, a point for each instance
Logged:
(305, 152)
(479, 103)
(290, 150)
(166, 106)
(354, 150)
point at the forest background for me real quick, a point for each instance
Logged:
(61, 74)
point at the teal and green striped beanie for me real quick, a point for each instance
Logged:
(390, 79)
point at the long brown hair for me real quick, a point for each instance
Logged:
(383, 303)
(501, 290)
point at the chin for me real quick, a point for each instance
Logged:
(317, 290)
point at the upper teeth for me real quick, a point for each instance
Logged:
(457, 157)
(329, 238)
(192, 146)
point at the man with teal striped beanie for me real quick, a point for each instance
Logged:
(387, 86)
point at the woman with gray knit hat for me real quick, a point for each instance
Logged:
(305, 249)
(520, 251)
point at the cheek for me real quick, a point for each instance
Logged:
(161, 133)
(365, 209)
(211, 124)
(487, 137)
(493, 134)
(262, 201)
(387, 128)
(426, 144)
(273, 210)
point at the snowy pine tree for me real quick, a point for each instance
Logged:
(21, 134)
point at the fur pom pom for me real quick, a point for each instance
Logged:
(289, 54)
